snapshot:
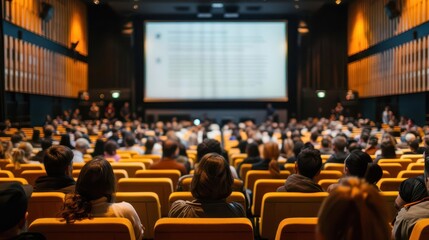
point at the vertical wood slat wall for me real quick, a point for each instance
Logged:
(400, 70)
(36, 70)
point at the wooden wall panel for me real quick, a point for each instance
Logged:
(400, 70)
(32, 69)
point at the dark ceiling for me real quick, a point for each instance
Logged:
(235, 9)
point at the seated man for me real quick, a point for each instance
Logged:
(307, 166)
(130, 144)
(82, 145)
(340, 154)
(412, 212)
(13, 208)
(170, 151)
(59, 166)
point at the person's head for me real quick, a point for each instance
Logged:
(353, 211)
(110, 148)
(36, 135)
(326, 143)
(13, 207)
(16, 138)
(309, 163)
(298, 146)
(387, 150)
(18, 158)
(129, 140)
(414, 145)
(150, 142)
(271, 151)
(65, 140)
(208, 146)
(58, 161)
(373, 141)
(82, 145)
(252, 150)
(410, 137)
(169, 149)
(356, 164)
(373, 173)
(212, 179)
(340, 143)
(98, 148)
(96, 180)
(48, 131)
(314, 135)
(27, 148)
(411, 190)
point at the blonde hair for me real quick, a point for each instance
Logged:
(288, 148)
(18, 158)
(271, 152)
(354, 210)
(27, 148)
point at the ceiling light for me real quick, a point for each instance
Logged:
(135, 6)
(217, 5)
(296, 6)
(96, 2)
(338, 2)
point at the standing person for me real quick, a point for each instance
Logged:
(385, 116)
(125, 112)
(93, 197)
(109, 112)
(94, 111)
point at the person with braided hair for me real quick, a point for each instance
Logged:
(94, 197)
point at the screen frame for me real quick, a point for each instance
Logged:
(223, 100)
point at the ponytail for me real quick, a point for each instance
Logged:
(274, 169)
(76, 207)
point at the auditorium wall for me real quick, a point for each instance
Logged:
(41, 64)
(389, 57)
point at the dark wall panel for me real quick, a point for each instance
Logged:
(413, 106)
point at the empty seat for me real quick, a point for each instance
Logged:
(392, 168)
(290, 167)
(297, 229)
(404, 162)
(163, 187)
(172, 174)
(10, 180)
(78, 166)
(155, 158)
(203, 228)
(254, 175)
(334, 166)
(325, 183)
(187, 196)
(328, 174)
(146, 161)
(261, 187)
(390, 197)
(413, 157)
(390, 184)
(147, 207)
(32, 175)
(4, 162)
(6, 174)
(26, 166)
(420, 230)
(280, 205)
(416, 166)
(131, 168)
(244, 169)
(45, 205)
(88, 229)
(410, 173)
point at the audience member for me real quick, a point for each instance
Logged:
(35, 139)
(66, 141)
(59, 166)
(169, 153)
(98, 148)
(40, 156)
(212, 146)
(307, 166)
(269, 162)
(411, 190)
(13, 207)
(372, 146)
(326, 148)
(253, 155)
(130, 145)
(340, 154)
(373, 174)
(387, 151)
(81, 147)
(93, 197)
(353, 211)
(211, 185)
(110, 148)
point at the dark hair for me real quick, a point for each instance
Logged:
(212, 179)
(340, 142)
(373, 173)
(297, 147)
(65, 141)
(373, 141)
(414, 145)
(314, 135)
(150, 142)
(110, 147)
(169, 148)
(48, 131)
(413, 189)
(98, 148)
(208, 146)
(16, 138)
(309, 163)
(46, 143)
(57, 159)
(357, 163)
(182, 150)
(387, 150)
(36, 136)
(325, 142)
(252, 150)
(129, 140)
(96, 180)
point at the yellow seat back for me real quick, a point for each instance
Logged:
(172, 174)
(390, 184)
(420, 230)
(45, 205)
(261, 187)
(32, 175)
(130, 167)
(254, 175)
(297, 229)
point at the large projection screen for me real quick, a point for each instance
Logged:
(211, 61)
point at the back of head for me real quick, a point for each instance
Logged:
(412, 190)
(357, 163)
(96, 180)
(46, 143)
(13, 205)
(110, 147)
(57, 160)
(129, 140)
(373, 141)
(82, 144)
(353, 211)
(212, 179)
(16, 138)
(271, 151)
(314, 135)
(340, 143)
(169, 149)
(325, 143)
(48, 131)
(414, 145)
(208, 146)
(409, 137)
(387, 150)
(309, 163)
(373, 173)
(252, 150)
(27, 148)
(36, 135)
(150, 142)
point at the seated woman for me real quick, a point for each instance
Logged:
(353, 210)
(270, 155)
(253, 155)
(93, 197)
(211, 185)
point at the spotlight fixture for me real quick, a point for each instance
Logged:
(135, 6)
(338, 2)
(96, 2)
(321, 93)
